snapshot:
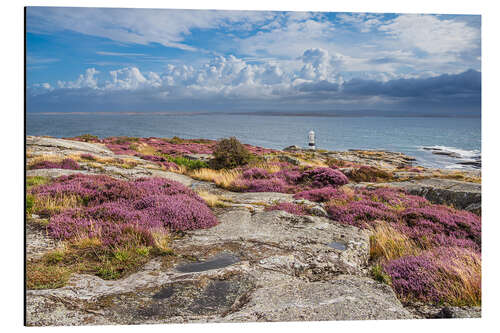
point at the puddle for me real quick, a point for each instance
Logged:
(218, 261)
(338, 246)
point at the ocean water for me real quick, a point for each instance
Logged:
(461, 136)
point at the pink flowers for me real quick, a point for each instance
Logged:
(321, 194)
(174, 147)
(66, 163)
(288, 180)
(116, 210)
(321, 177)
(443, 274)
(289, 207)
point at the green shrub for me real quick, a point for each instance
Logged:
(379, 275)
(188, 163)
(36, 180)
(29, 203)
(230, 153)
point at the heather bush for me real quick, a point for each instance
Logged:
(260, 185)
(255, 173)
(323, 194)
(289, 207)
(230, 153)
(322, 177)
(442, 275)
(121, 212)
(66, 163)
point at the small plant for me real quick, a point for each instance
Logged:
(230, 153)
(379, 274)
(29, 203)
(43, 276)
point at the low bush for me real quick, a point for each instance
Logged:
(448, 275)
(121, 212)
(66, 163)
(230, 153)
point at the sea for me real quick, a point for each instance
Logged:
(418, 137)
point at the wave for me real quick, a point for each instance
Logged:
(473, 154)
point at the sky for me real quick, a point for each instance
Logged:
(162, 60)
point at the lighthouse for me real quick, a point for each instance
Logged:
(312, 140)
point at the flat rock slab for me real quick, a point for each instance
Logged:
(96, 148)
(346, 297)
(295, 245)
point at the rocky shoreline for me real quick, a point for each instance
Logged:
(255, 265)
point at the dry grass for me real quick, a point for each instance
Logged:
(145, 149)
(46, 205)
(270, 166)
(42, 276)
(162, 241)
(45, 157)
(223, 178)
(465, 272)
(213, 200)
(386, 243)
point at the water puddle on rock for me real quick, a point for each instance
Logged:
(218, 261)
(338, 246)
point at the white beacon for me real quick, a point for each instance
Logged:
(312, 140)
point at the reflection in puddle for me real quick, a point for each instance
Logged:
(218, 261)
(338, 246)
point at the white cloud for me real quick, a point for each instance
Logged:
(87, 80)
(140, 26)
(432, 34)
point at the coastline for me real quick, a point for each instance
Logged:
(261, 262)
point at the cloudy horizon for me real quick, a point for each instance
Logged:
(96, 59)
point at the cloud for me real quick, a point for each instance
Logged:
(231, 82)
(140, 26)
(431, 34)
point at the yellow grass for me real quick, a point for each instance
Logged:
(54, 205)
(45, 157)
(223, 178)
(386, 243)
(162, 240)
(465, 271)
(145, 149)
(213, 200)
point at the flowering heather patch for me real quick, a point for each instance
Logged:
(321, 177)
(256, 173)
(260, 185)
(323, 194)
(287, 180)
(175, 146)
(132, 222)
(289, 207)
(100, 189)
(119, 211)
(443, 274)
(66, 163)
(443, 225)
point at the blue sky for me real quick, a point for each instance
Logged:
(151, 60)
